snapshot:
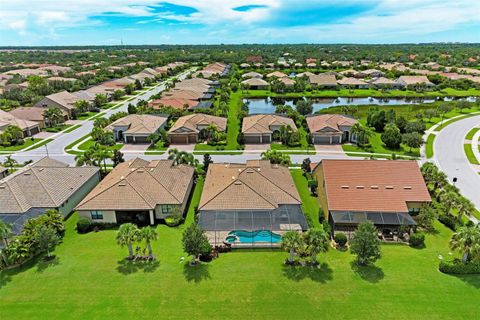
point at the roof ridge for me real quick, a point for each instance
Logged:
(15, 195)
(246, 183)
(163, 186)
(261, 173)
(46, 190)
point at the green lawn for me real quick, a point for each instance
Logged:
(469, 153)
(72, 128)
(41, 144)
(377, 146)
(157, 149)
(471, 133)
(58, 128)
(86, 115)
(89, 143)
(28, 143)
(303, 143)
(429, 145)
(446, 123)
(89, 279)
(310, 204)
(233, 122)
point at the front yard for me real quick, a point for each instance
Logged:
(28, 142)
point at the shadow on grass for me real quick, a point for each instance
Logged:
(470, 279)
(127, 267)
(196, 273)
(370, 273)
(44, 263)
(320, 273)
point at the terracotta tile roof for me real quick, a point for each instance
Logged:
(256, 185)
(47, 183)
(139, 123)
(373, 185)
(193, 121)
(260, 123)
(331, 122)
(173, 102)
(140, 185)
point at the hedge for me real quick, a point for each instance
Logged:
(459, 267)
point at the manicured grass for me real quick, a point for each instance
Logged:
(446, 123)
(58, 128)
(71, 145)
(429, 145)
(27, 143)
(41, 144)
(303, 143)
(310, 204)
(219, 152)
(377, 146)
(469, 153)
(157, 149)
(471, 133)
(86, 115)
(207, 147)
(233, 122)
(89, 143)
(404, 283)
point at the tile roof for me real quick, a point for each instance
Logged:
(7, 119)
(277, 74)
(256, 185)
(260, 123)
(140, 185)
(373, 185)
(410, 80)
(323, 80)
(329, 121)
(28, 113)
(193, 121)
(255, 82)
(47, 183)
(63, 98)
(139, 123)
(347, 81)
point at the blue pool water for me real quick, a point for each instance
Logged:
(253, 236)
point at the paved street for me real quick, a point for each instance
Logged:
(450, 156)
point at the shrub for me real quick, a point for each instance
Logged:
(83, 225)
(341, 239)
(449, 221)
(417, 240)
(173, 220)
(459, 267)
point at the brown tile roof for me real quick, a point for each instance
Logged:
(252, 75)
(373, 185)
(276, 74)
(47, 183)
(260, 123)
(63, 98)
(329, 121)
(7, 119)
(256, 185)
(139, 123)
(410, 80)
(323, 80)
(172, 102)
(28, 113)
(140, 185)
(255, 82)
(287, 81)
(193, 121)
(347, 81)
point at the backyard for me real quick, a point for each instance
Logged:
(90, 279)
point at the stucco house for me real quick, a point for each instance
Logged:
(187, 129)
(43, 185)
(323, 80)
(255, 84)
(139, 191)
(29, 128)
(331, 128)
(259, 128)
(384, 192)
(136, 128)
(63, 100)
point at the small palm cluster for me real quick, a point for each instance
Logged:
(128, 234)
(181, 157)
(467, 241)
(307, 245)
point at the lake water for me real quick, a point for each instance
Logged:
(268, 105)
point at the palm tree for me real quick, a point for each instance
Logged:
(101, 154)
(210, 131)
(149, 234)
(10, 163)
(181, 157)
(465, 207)
(5, 232)
(291, 242)
(127, 234)
(449, 199)
(317, 241)
(467, 241)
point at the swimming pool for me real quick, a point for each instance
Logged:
(253, 236)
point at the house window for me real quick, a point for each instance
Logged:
(414, 210)
(167, 209)
(96, 215)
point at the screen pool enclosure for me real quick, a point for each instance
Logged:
(251, 227)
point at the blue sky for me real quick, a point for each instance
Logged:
(100, 22)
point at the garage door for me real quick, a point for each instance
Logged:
(252, 139)
(321, 139)
(178, 139)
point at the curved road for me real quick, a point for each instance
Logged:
(450, 156)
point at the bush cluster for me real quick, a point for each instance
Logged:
(417, 240)
(340, 239)
(459, 267)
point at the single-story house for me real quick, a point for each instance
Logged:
(63, 100)
(385, 83)
(287, 81)
(276, 74)
(29, 128)
(406, 81)
(43, 185)
(255, 84)
(259, 128)
(188, 128)
(331, 128)
(307, 74)
(384, 192)
(136, 128)
(252, 74)
(256, 196)
(139, 191)
(373, 73)
(34, 114)
(327, 81)
(348, 82)
(176, 103)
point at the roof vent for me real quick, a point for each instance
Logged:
(41, 169)
(258, 169)
(2, 186)
(140, 170)
(373, 187)
(233, 177)
(389, 187)
(237, 183)
(26, 173)
(407, 188)
(360, 187)
(122, 183)
(345, 187)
